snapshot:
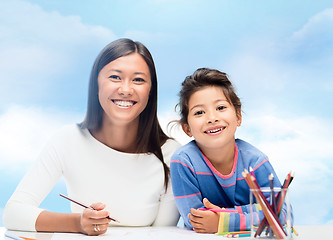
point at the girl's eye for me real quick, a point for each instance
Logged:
(199, 112)
(139, 80)
(220, 108)
(114, 77)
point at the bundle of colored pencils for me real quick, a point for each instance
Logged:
(271, 211)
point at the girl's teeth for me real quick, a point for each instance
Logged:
(214, 131)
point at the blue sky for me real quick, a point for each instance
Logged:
(278, 54)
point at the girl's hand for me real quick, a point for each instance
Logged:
(205, 221)
(93, 220)
(208, 204)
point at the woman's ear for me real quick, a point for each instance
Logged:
(186, 129)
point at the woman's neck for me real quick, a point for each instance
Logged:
(119, 137)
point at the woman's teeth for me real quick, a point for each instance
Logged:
(124, 103)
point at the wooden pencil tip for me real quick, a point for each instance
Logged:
(271, 176)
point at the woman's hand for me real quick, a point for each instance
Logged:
(93, 220)
(205, 221)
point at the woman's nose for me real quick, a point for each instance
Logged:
(125, 88)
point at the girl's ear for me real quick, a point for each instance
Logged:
(186, 129)
(239, 120)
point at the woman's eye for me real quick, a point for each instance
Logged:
(199, 112)
(139, 80)
(220, 108)
(114, 77)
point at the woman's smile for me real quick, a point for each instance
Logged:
(123, 103)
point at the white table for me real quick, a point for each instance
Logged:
(322, 232)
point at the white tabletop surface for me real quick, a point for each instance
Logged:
(306, 232)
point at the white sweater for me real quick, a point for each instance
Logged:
(131, 185)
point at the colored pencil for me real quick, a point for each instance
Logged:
(26, 238)
(219, 210)
(273, 200)
(82, 205)
(238, 235)
(13, 236)
(277, 199)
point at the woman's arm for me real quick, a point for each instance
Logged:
(22, 209)
(75, 222)
(58, 222)
(168, 214)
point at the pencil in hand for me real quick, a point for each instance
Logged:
(82, 205)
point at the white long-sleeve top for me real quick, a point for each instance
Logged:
(131, 185)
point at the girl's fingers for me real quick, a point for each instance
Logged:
(195, 221)
(197, 213)
(208, 204)
(199, 230)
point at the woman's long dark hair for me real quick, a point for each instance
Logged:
(150, 135)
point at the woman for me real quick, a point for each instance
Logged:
(116, 158)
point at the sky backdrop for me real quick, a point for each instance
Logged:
(278, 54)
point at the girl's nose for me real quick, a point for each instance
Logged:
(211, 118)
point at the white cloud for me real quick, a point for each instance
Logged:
(302, 145)
(151, 37)
(23, 132)
(171, 128)
(317, 26)
(37, 47)
(312, 44)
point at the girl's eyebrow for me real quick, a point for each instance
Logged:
(195, 106)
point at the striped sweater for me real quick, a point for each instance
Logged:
(194, 177)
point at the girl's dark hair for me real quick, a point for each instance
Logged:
(150, 135)
(201, 78)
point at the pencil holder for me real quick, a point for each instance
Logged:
(270, 213)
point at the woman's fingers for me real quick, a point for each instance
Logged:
(94, 221)
(98, 206)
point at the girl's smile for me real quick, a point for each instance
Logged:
(212, 121)
(214, 130)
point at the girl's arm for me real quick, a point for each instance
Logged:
(186, 189)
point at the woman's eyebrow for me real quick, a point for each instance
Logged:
(116, 70)
(119, 71)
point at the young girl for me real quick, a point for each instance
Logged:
(207, 172)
